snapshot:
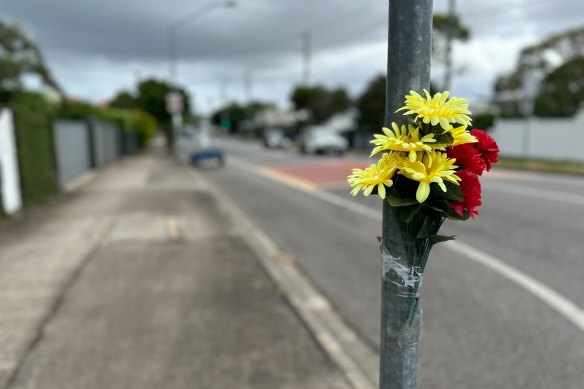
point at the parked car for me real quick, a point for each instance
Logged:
(194, 146)
(274, 138)
(323, 142)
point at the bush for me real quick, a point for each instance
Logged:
(145, 125)
(76, 110)
(483, 121)
(34, 142)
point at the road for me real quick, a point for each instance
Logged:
(503, 305)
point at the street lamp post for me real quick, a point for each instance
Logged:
(173, 55)
(182, 22)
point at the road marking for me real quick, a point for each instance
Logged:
(287, 179)
(553, 299)
(172, 228)
(542, 194)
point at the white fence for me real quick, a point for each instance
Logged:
(549, 138)
(9, 176)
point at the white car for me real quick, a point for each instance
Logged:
(323, 142)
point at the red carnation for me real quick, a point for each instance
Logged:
(467, 158)
(487, 147)
(471, 190)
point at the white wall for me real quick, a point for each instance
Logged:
(554, 139)
(9, 174)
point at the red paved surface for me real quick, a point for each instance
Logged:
(321, 174)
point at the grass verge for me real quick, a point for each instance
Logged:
(541, 165)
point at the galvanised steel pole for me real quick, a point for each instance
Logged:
(408, 68)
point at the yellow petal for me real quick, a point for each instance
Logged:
(423, 192)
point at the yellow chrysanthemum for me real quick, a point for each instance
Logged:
(437, 109)
(375, 176)
(431, 167)
(407, 138)
(461, 136)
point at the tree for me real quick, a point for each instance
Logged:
(152, 99)
(565, 46)
(562, 91)
(371, 105)
(234, 114)
(123, 100)
(19, 56)
(445, 27)
(320, 102)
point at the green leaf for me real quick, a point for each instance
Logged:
(407, 213)
(455, 216)
(426, 229)
(445, 138)
(453, 192)
(439, 238)
(396, 201)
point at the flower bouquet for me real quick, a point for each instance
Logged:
(429, 167)
(428, 171)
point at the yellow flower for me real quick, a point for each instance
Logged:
(437, 109)
(461, 136)
(378, 175)
(405, 139)
(431, 167)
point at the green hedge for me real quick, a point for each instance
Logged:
(34, 141)
(129, 121)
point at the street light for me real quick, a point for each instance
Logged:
(183, 21)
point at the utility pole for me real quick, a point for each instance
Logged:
(247, 86)
(306, 57)
(408, 68)
(449, 37)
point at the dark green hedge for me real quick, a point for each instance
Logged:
(34, 142)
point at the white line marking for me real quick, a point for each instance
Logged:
(536, 193)
(553, 299)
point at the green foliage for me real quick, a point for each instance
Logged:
(123, 100)
(122, 118)
(562, 91)
(34, 140)
(19, 56)
(152, 99)
(483, 121)
(235, 114)
(320, 102)
(76, 110)
(371, 105)
(567, 45)
(145, 126)
(442, 26)
(129, 121)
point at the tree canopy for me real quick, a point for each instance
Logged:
(320, 102)
(151, 98)
(19, 56)
(562, 91)
(566, 47)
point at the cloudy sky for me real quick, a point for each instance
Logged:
(96, 48)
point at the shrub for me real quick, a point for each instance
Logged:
(34, 142)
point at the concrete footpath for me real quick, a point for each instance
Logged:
(138, 279)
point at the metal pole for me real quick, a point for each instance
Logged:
(172, 69)
(449, 37)
(408, 68)
(306, 57)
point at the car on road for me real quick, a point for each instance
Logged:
(274, 138)
(321, 141)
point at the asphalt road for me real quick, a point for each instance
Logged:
(502, 309)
